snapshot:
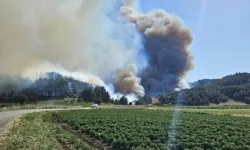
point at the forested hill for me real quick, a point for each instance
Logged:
(235, 79)
(51, 86)
(56, 85)
(203, 82)
(235, 87)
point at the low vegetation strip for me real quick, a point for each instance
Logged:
(36, 131)
(31, 133)
(224, 111)
(218, 107)
(148, 129)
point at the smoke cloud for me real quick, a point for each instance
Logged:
(81, 36)
(95, 41)
(167, 44)
(126, 81)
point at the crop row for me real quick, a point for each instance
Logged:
(154, 129)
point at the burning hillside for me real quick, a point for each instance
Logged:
(100, 42)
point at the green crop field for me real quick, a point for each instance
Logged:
(236, 110)
(156, 129)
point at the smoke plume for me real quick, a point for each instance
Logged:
(167, 44)
(96, 41)
(81, 36)
(126, 81)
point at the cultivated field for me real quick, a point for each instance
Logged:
(130, 129)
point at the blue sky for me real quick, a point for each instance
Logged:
(221, 31)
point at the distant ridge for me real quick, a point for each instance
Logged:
(234, 87)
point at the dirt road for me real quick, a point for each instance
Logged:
(8, 117)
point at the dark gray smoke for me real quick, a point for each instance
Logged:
(167, 44)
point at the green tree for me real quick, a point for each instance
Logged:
(123, 100)
(101, 94)
(20, 98)
(95, 95)
(88, 95)
(247, 100)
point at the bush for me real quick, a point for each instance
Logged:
(247, 100)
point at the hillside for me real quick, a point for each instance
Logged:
(203, 82)
(235, 87)
(56, 85)
(52, 86)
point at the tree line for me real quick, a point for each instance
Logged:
(235, 87)
(55, 86)
(99, 95)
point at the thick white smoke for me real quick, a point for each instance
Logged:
(87, 38)
(101, 42)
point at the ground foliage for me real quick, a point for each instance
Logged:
(31, 133)
(37, 131)
(154, 129)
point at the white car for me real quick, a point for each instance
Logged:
(94, 105)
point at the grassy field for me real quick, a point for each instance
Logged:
(215, 110)
(37, 131)
(245, 112)
(65, 102)
(208, 110)
(46, 104)
(130, 129)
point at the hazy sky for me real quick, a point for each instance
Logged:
(221, 31)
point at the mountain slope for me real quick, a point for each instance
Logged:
(235, 87)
